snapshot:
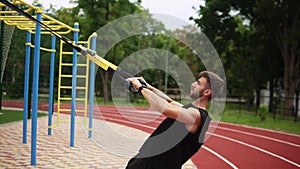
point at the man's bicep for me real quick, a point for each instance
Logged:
(187, 116)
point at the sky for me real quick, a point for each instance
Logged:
(182, 9)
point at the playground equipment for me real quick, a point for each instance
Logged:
(22, 22)
(47, 25)
(81, 87)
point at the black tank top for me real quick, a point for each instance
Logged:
(171, 144)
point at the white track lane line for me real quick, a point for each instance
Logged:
(153, 128)
(233, 140)
(257, 148)
(234, 130)
(262, 129)
(237, 141)
(219, 156)
(260, 136)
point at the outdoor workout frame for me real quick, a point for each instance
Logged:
(24, 23)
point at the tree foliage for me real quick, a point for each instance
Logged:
(257, 40)
(93, 15)
(255, 46)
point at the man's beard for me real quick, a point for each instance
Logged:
(195, 95)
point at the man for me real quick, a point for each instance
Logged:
(182, 133)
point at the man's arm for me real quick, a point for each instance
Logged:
(161, 94)
(187, 116)
(159, 102)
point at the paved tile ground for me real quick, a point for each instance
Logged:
(110, 147)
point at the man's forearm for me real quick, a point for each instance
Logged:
(161, 105)
(136, 83)
(156, 102)
(160, 93)
(163, 96)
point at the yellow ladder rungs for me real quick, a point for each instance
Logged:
(78, 76)
(65, 75)
(69, 110)
(82, 89)
(66, 87)
(67, 53)
(79, 111)
(70, 87)
(71, 64)
(66, 64)
(68, 98)
(65, 98)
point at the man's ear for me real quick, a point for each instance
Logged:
(207, 92)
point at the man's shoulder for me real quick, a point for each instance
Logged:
(186, 106)
(190, 105)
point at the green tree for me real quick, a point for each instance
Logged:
(230, 36)
(96, 14)
(267, 35)
(282, 21)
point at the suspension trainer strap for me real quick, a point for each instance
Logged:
(90, 54)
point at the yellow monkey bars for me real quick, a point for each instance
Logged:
(23, 23)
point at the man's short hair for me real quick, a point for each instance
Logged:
(214, 81)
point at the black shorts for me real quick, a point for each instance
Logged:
(138, 163)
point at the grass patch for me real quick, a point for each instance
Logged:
(8, 116)
(284, 125)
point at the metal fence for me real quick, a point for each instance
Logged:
(276, 107)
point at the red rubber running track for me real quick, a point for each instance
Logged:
(229, 146)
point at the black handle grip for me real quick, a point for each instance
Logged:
(123, 75)
(135, 91)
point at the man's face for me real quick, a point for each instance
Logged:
(198, 88)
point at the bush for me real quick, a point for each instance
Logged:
(263, 112)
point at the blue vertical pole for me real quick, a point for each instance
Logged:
(26, 87)
(35, 87)
(51, 85)
(74, 73)
(92, 85)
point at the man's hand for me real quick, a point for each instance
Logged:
(137, 84)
